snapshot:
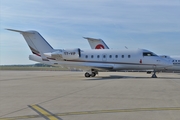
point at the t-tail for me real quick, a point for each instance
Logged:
(36, 42)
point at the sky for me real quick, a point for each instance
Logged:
(148, 24)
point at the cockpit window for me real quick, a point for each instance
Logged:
(149, 54)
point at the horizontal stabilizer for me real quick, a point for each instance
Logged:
(18, 31)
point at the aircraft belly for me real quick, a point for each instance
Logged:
(132, 67)
(174, 68)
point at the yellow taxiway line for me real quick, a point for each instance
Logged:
(44, 113)
(49, 116)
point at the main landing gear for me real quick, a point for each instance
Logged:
(91, 74)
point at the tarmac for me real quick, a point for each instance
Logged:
(68, 95)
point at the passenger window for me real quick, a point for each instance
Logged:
(92, 56)
(129, 56)
(110, 56)
(86, 56)
(116, 56)
(122, 56)
(97, 56)
(104, 56)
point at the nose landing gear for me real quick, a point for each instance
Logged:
(154, 74)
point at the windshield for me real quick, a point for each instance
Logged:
(149, 54)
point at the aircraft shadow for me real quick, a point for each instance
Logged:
(111, 77)
(169, 78)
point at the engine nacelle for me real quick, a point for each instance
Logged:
(71, 54)
(67, 54)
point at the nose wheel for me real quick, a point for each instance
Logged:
(154, 74)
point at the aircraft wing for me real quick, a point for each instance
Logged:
(88, 66)
(85, 67)
(71, 65)
(100, 67)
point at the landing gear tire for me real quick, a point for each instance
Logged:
(154, 76)
(87, 74)
(93, 74)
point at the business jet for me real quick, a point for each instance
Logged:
(91, 60)
(95, 43)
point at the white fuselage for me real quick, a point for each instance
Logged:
(114, 60)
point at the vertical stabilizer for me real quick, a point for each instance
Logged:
(36, 42)
(96, 43)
